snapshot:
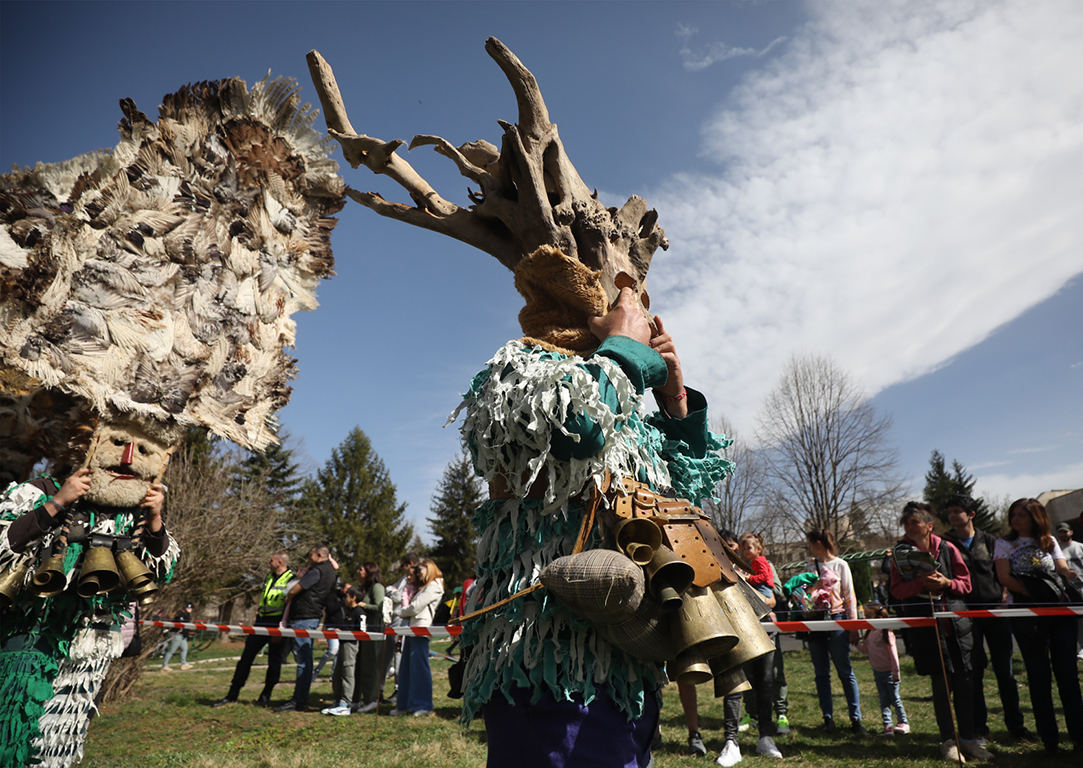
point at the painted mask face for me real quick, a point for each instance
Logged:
(125, 463)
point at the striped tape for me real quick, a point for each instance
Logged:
(778, 626)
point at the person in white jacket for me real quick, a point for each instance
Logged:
(414, 675)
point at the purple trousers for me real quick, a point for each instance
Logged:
(567, 734)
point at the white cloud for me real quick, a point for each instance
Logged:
(1069, 476)
(898, 183)
(701, 57)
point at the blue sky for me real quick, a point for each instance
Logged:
(897, 185)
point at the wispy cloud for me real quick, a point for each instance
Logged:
(701, 57)
(1069, 476)
(895, 185)
(1042, 449)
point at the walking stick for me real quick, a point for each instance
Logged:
(947, 687)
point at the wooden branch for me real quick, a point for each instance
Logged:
(533, 114)
(530, 192)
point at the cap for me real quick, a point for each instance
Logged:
(1064, 526)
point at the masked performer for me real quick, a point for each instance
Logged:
(545, 420)
(142, 291)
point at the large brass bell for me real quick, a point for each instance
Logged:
(668, 576)
(49, 579)
(99, 574)
(700, 633)
(638, 538)
(11, 581)
(755, 641)
(137, 577)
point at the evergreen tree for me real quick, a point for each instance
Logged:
(457, 498)
(351, 506)
(940, 485)
(276, 470)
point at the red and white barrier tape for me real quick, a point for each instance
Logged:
(341, 634)
(778, 626)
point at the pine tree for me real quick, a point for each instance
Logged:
(456, 499)
(351, 506)
(276, 470)
(940, 485)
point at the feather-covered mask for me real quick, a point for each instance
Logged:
(157, 281)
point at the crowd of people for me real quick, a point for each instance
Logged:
(967, 568)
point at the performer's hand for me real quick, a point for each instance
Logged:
(152, 502)
(662, 343)
(626, 318)
(74, 487)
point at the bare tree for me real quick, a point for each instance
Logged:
(739, 496)
(529, 193)
(827, 452)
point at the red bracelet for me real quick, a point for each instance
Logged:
(675, 398)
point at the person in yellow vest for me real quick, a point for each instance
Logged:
(271, 605)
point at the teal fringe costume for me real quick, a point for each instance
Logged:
(55, 651)
(533, 413)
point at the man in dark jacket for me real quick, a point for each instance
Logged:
(306, 600)
(272, 603)
(976, 547)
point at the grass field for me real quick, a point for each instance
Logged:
(168, 722)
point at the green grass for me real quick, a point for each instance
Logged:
(168, 722)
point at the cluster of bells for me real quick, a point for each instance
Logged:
(715, 629)
(100, 573)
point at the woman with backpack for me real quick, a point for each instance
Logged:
(1028, 561)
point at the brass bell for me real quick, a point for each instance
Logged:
(99, 573)
(137, 578)
(11, 581)
(49, 579)
(638, 538)
(700, 628)
(755, 641)
(690, 668)
(668, 576)
(730, 681)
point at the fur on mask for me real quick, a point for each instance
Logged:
(561, 294)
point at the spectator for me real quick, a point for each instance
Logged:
(1073, 555)
(398, 593)
(305, 602)
(335, 615)
(834, 646)
(976, 547)
(414, 675)
(879, 646)
(370, 654)
(758, 671)
(1026, 560)
(779, 691)
(179, 641)
(272, 603)
(343, 678)
(953, 643)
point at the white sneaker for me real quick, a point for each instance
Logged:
(398, 712)
(341, 709)
(766, 747)
(950, 752)
(974, 750)
(424, 713)
(370, 707)
(731, 754)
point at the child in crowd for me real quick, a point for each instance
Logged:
(343, 678)
(879, 645)
(751, 547)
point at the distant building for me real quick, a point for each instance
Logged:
(1063, 505)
